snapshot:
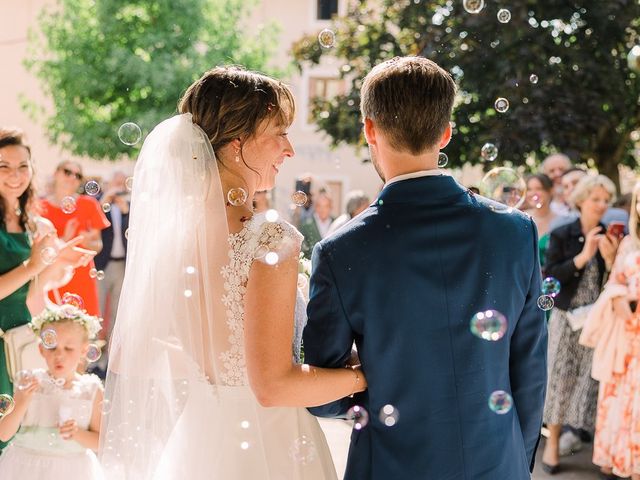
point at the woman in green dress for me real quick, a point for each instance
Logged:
(25, 270)
(539, 196)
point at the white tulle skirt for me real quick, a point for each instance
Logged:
(23, 464)
(223, 433)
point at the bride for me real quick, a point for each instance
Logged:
(202, 380)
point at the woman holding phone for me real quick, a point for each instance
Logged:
(579, 255)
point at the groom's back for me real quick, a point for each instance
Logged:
(409, 274)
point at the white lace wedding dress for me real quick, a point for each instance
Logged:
(240, 439)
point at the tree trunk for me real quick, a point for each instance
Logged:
(608, 166)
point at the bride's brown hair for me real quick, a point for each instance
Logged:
(231, 103)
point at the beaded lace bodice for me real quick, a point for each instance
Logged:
(259, 240)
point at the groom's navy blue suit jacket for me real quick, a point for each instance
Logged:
(403, 280)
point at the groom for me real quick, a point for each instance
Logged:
(403, 280)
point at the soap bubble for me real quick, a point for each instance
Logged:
(389, 415)
(504, 15)
(100, 275)
(489, 152)
(500, 402)
(92, 188)
(303, 450)
(504, 185)
(633, 59)
(129, 133)
(501, 104)
(271, 258)
(106, 207)
(237, 196)
(299, 198)
(442, 160)
(6, 404)
(23, 379)
(327, 38)
(128, 183)
(359, 416)
(68, 205)
(72, 299)
(551, 286)
(48, 255)
(533, 78)
(271, 215)
(49, 338)
(489, 325)
(545, 302)
(93, 353)
(473, 6)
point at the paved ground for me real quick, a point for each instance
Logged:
(575, 467)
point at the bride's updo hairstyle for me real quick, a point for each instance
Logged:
(231, 102)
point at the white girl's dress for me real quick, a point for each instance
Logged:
(38, 451)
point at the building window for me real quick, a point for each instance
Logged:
(327, 9)
(325, 87)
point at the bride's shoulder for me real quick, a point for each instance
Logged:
(276, 233)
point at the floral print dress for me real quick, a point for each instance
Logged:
(617, 438)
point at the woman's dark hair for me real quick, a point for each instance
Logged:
(545, 181)
(27, 201)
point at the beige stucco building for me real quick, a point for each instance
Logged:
(339, 170)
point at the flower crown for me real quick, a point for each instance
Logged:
(65, 313)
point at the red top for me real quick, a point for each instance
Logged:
(90, 216)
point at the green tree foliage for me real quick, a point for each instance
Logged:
(107, 62)
(585, 101)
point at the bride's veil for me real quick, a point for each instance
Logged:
(171, 323)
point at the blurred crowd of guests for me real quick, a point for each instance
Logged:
(589, 242)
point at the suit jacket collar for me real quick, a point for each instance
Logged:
(424, 190)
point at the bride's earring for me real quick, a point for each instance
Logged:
(237, 156)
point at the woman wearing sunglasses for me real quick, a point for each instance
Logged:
(73, 214)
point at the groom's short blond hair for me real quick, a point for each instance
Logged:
(410, 99)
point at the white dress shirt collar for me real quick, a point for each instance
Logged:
(434, 172)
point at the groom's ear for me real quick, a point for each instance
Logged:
(370, 131)
(446, 136)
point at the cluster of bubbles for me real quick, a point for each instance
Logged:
(6, 404)
(504, 185)
(327, 38)
(536, 200)
(489, 325)
(129, 133)
(97, 274)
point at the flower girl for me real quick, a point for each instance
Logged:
(56, 418)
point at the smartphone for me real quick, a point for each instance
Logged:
(616, 229)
